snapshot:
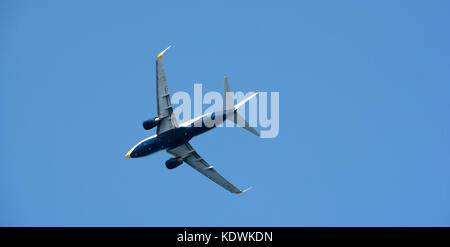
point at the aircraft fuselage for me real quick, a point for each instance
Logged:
(177, 136)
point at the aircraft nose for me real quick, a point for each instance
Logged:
(128, 154)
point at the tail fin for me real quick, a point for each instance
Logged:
(228, 105)
(227, 98)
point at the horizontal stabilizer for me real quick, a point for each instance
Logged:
(238, 105)
(227, 97)
(239, 120)
(228, 105)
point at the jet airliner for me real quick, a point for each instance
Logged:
(174, 137)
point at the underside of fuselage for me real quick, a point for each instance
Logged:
(177, 136)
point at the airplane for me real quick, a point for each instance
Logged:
(174, 137)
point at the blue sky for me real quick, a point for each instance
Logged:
(364, 112)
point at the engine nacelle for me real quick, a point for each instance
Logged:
(151, 123)
(173, 163)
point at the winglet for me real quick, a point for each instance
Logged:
(160, 55)
(242, 191)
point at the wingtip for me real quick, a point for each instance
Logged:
(243, 191)
(160, 55)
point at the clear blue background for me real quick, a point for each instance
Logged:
(364, 112)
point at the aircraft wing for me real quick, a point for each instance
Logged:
(165, 111)
(191, 157)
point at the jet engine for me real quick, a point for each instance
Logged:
(150, 123)
(173, 163)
